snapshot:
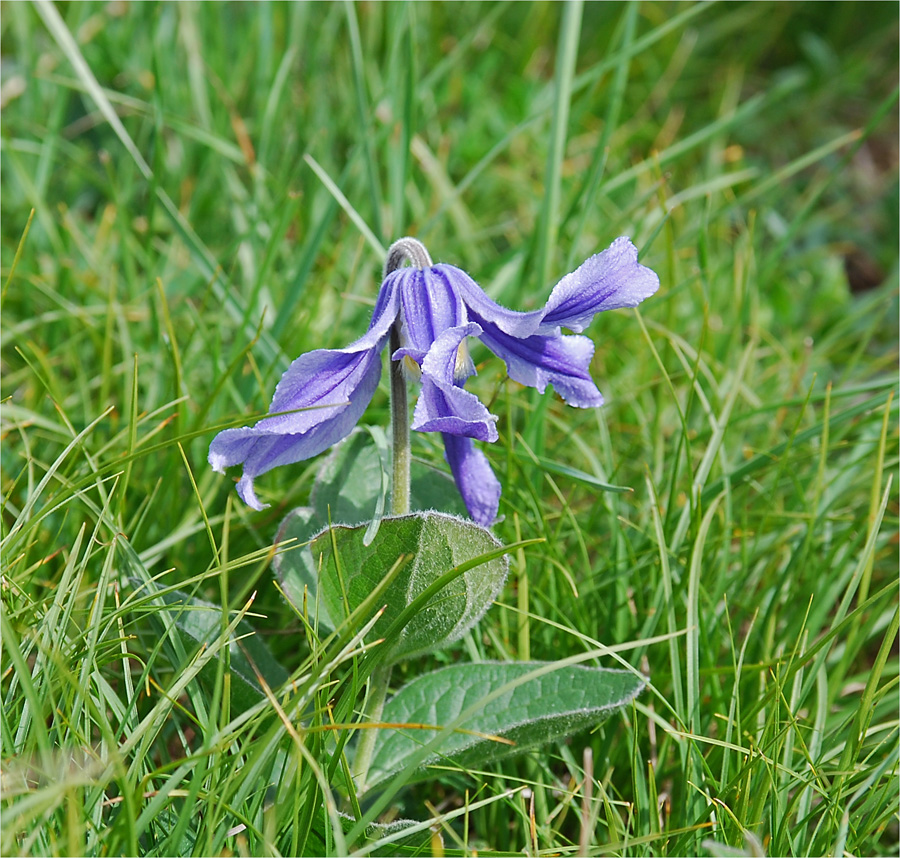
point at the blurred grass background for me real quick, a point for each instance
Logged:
(194, 194)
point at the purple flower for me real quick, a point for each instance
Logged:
(437, 308)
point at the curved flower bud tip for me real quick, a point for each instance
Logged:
(437, 307)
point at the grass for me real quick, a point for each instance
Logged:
(194, 194)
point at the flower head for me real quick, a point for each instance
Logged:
(437, 307)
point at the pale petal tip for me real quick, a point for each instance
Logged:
(247, 495)
(217, 462)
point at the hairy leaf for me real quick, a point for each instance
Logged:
(526, 703)
(350, 488)
(434, 544)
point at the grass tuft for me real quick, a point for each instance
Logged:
(193, 195)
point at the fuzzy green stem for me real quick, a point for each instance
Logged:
(406, 249)
(399, 432)
(399, 252)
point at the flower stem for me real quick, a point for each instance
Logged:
(399, 252)
(403, 249)
(399, 431)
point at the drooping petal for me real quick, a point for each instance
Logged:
(443, 406)
(430, 304)
(509, 321)
(479, 487)
(333, 386)
(328, 375)
(542, 359)
(606, 281)
(263, 447)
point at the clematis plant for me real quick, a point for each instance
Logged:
(434, 574)
(428, 312)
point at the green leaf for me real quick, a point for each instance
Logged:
(352, 484)
(527, 703)
(350, 488)
(200, 622)
(433, 489)
(295, 568)
(416, 842)
(437, 544)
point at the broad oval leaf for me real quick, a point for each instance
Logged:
(524, 703)
(352, 485)
(353, 481)
(350, 488)
(436, 544)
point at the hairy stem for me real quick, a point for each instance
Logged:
(406, 249)
(399, 432)
(399, 252)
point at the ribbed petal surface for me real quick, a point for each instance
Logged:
(509, 321)
(479, 487)
(431, 305)
(334, 386)
(539, 360)
(607, 281)
(442, 405)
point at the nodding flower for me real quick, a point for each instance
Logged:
(438, 307)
